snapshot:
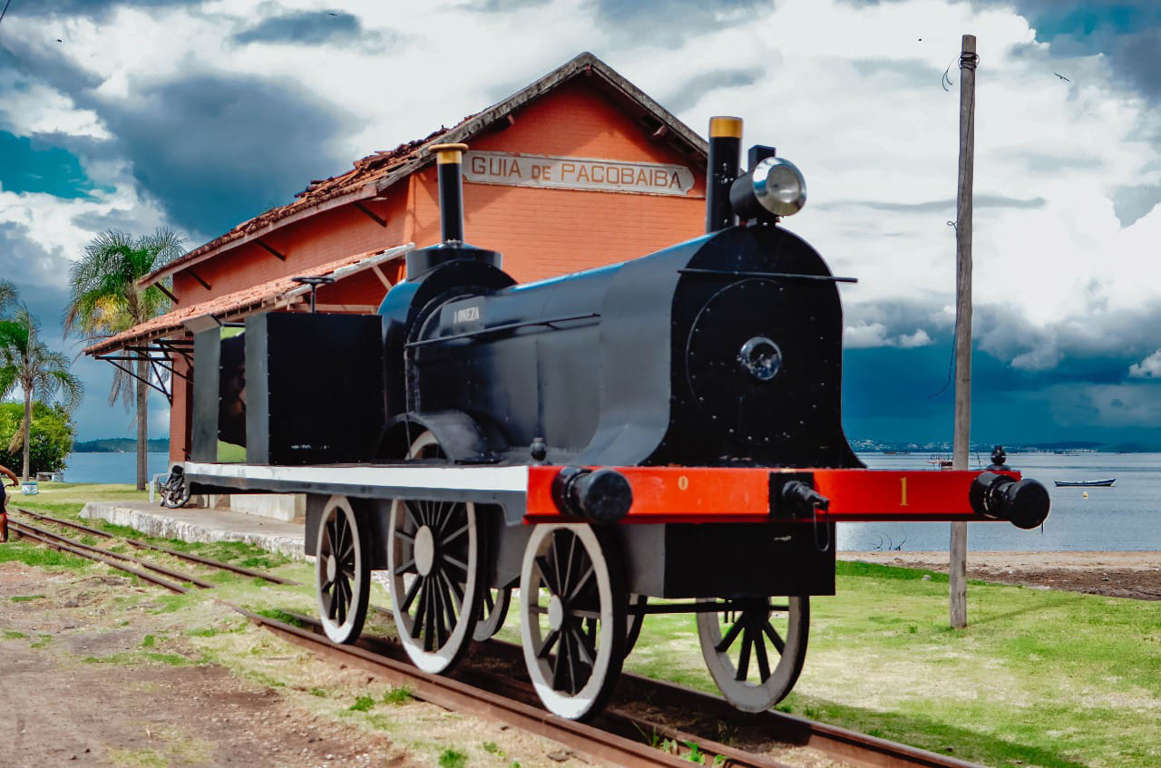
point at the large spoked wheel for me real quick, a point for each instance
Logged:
(341, 571)
(572, 602)
(433, 552)
(756, 660)
(634, 621)
(493, 611)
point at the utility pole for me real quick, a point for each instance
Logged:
(963, 318)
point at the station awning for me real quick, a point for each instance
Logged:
(274, 294)
(163, 338)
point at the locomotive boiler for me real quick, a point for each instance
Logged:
(666, 427)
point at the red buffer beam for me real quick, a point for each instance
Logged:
(751, 495)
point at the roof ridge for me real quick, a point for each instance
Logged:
(373, 174)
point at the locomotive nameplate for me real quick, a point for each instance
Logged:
(590, 174)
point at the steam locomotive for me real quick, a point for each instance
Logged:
(667, 427)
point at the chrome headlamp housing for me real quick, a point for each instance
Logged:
(774, 186)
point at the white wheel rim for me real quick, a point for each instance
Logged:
(534, 608)
(493, 610)
(339, 626)
(746, 695)
(439, 598)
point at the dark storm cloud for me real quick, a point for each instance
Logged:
(41, 278)
(308, 28)
(691, 91)
(1096, 351)
(927, 206)
(1083, 391)
(216, 150)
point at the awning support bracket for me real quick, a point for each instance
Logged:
(374, 216)
(262, 243)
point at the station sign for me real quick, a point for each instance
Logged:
(554, 172)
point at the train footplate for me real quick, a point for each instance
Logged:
(748, 495)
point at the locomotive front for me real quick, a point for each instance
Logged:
(723, 350)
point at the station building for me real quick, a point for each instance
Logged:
(578, 170)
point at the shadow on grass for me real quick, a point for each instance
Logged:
(936, 736)
(1038, 608)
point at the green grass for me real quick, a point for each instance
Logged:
(362, 704)
(400, 695)
(31, 553)
(12, 634)
(280, 615)
(492, 748)
(452, 758)
(25, 598)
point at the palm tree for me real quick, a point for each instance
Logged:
(40, 372)
(7, 294)
(107, 300)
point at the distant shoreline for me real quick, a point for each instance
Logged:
(120, 445)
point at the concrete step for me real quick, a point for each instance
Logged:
(199, 524)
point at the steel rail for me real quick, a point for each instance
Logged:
(836, 742)
(60, 546)
(181, 577)
(839, 743)
(459, 696)
(613, 720)
(157, 548)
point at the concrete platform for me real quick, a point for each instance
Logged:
(200, 524)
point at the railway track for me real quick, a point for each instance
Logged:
(623, 735)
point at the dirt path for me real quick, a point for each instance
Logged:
(1116, 574)
(94, 672)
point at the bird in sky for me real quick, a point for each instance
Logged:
(1062, 77)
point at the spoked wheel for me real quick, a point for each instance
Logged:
(341, 571)
(493, 611)
(175, 491)
(433, 551)
(634, 621)
(573, 626)
(756, 662)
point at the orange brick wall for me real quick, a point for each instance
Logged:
(541, 232)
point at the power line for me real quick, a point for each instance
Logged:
(6, 4)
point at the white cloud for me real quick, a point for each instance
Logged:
(37, 108)
(1149, 368)
(863, 335)
(851, 92)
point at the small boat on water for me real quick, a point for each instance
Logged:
(1085, 483)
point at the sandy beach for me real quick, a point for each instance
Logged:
(1116, 574)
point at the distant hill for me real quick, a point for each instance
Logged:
(120, 445)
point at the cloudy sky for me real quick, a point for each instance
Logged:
(198, 115)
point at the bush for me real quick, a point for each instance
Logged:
(52, 437)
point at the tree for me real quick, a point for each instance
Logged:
(40, 373)
(107, 300)
(52, 436)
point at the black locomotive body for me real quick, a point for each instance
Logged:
(724, 350)
(665, 427)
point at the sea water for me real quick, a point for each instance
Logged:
(111, 467)
(1124, 517)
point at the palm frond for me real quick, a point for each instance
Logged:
(8, 294)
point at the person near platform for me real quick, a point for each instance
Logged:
(4, 501)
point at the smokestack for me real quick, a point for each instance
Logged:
(448, 159)
(725, 149)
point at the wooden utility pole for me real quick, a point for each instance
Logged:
(963, 317)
